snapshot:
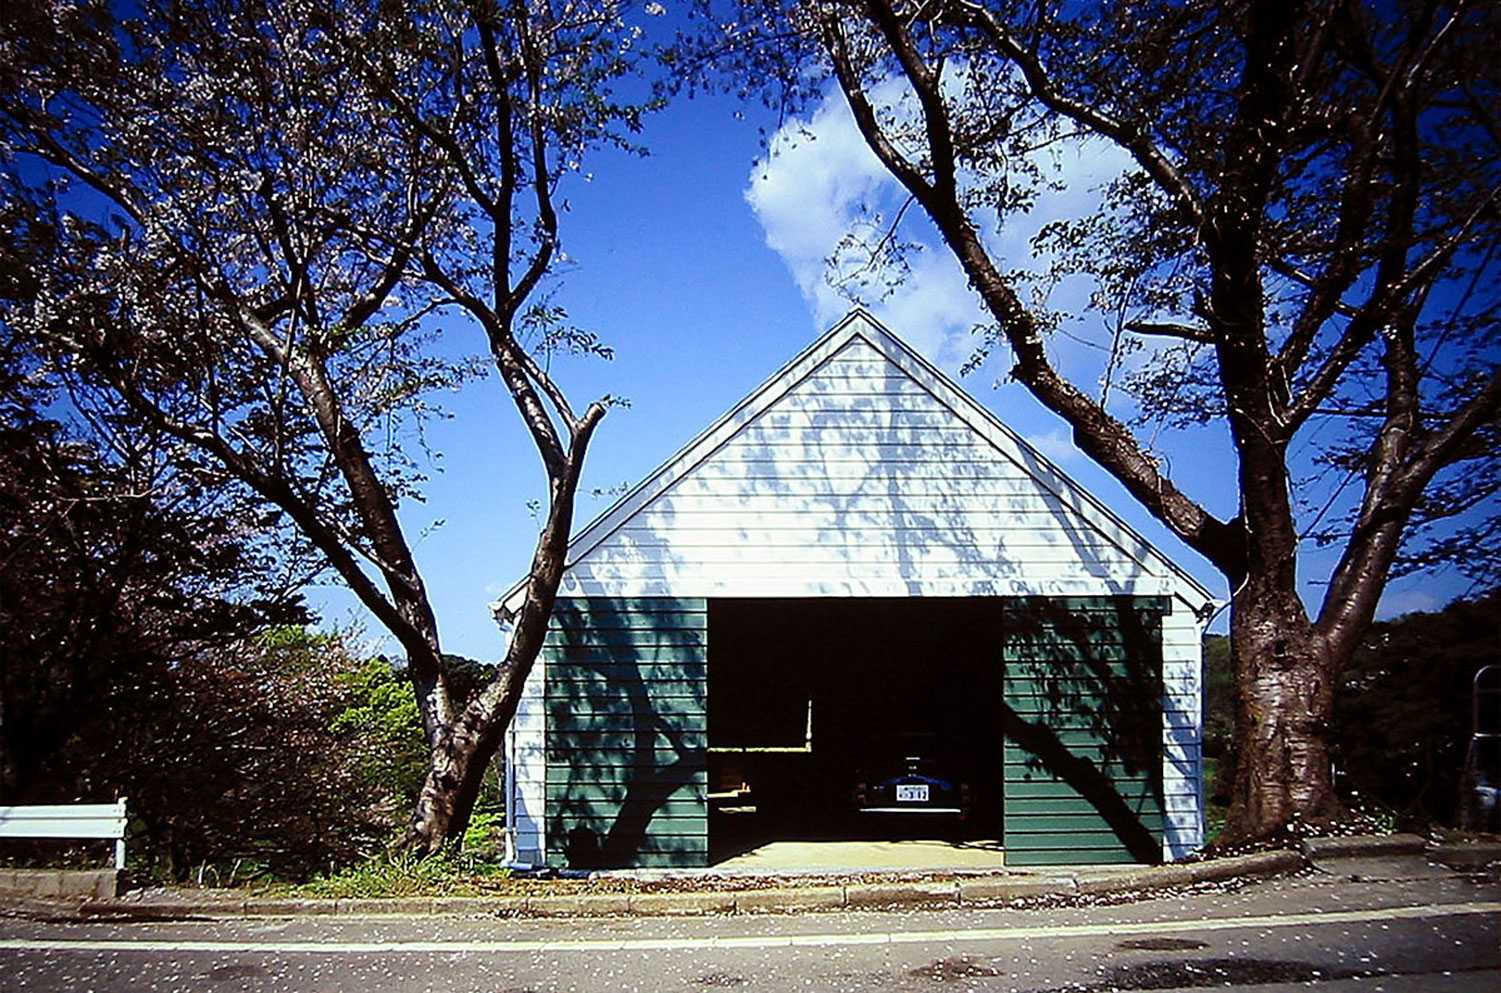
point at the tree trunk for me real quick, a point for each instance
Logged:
(459, 760)
(464, 751)
(1284, 701)
(424, 654)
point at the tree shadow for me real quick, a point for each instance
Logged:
(1083, 707)
(861, 483)
(608, 687)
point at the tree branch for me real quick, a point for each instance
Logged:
(510, 359)
(550, 387)
(501, 241)
(1169, 329)
(1392, 288)
(1098, 435)
(832, 35)
(394, 268)
(1327, 291)
(1355, 586)
(47, 147)
(928, 83)
(1137, 144)
(533, 65)
(280, 494)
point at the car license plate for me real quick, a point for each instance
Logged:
(912, 794)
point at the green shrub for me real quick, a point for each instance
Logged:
(385, 730)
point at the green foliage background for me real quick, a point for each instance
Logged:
(381, 715)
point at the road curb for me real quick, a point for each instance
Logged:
(1002, 889)
(1362, 846)
(789, 899)
(580, 905)
(166, 910)
(1256, 864)
(364, 906)
(862, 895)
(980, 890)
(682, 904)
(1467, 856)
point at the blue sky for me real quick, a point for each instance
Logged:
(702, 266)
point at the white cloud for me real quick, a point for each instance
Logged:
(1057, 445)
(820, 179)
(815, 184)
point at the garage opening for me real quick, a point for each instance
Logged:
(855, 733)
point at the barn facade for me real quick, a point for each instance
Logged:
(858, 575)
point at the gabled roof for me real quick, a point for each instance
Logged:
(859, 324)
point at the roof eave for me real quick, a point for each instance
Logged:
(1187, 588)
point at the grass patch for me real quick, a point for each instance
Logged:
(475, 868)
(399, 875)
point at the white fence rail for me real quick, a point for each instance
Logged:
(68, 820)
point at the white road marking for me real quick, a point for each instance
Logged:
(970, 935)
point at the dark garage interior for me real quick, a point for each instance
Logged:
(818, 707)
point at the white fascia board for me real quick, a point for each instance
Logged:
(1013, 446)
(860, 324)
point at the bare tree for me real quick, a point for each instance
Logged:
(1306, 236)
(511, 96)
(253, 212)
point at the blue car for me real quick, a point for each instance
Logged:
(921, 789)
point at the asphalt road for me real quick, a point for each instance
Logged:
(1432, 933)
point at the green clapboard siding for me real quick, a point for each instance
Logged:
(627, 733)
(1083, 754)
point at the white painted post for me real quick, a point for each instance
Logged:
(120, 841)
(510, 777)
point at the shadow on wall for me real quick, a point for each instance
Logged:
(859, 483)
(626, 699)
(1080, 715)
(1083, 709)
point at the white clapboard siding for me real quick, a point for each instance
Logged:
(944, 436)
(879, 482)
(871, 419)
(993, 556)
(1182, 762)
(800, 456)
(814, 520)
(526, 765)
(834, 472)
(684, 537)
(846, 392)
(856, 364)
(909, 566)
(936, 508)
(860, 470)
(887, 586)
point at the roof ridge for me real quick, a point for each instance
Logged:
(856, 323)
